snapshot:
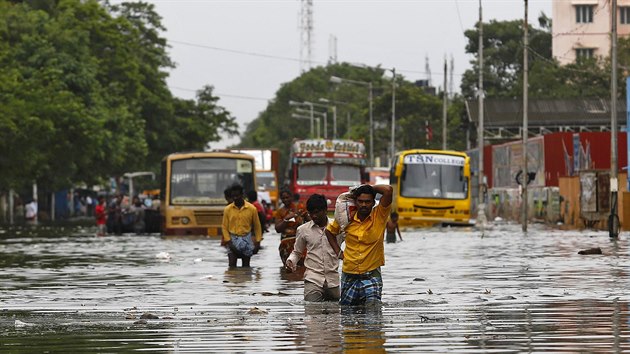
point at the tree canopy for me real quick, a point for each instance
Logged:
(276, 127)
(83, 94)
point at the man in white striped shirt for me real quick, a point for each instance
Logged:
(321, 278)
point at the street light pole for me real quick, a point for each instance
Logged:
(339, 80)
(481, 213)
(310, 105)
(392, 143)
(334, 109)
(525, 174)
(613, 219)
(371, 128)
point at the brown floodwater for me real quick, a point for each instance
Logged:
(445, 290)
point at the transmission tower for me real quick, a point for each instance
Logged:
(332, 49)
(306, 34)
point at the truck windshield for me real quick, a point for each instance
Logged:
(343, 175)
(311, 175)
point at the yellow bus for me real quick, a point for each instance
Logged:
(431, 187)
(191, 190)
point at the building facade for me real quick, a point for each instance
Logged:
(582, 28)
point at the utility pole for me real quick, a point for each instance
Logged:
(525, 174)
(371, 126)
(444, 106)
(613, 219)
(481, 213)
(393, 137)
(334, 109)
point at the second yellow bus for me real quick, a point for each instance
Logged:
(431, 187)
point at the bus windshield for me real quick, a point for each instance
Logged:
(434, 181)
(311, 175)
(201, 181)
(344, 175)
(266, 179)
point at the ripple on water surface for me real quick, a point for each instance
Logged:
(444, 290)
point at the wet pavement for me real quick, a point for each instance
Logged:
(445, 290)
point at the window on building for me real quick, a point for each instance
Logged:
(584, 53)
(624, 15)
(584, 13)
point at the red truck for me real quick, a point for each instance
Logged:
(327, 167)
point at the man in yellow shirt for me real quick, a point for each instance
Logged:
(240, 220)
(361, 281)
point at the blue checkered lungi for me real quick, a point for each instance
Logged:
(357, 289)
(243, 244)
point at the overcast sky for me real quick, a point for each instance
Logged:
(247, 49)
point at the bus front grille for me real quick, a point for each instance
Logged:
(208, 218)
(433, 213)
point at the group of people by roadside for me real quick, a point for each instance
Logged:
(120, 215)
(308, 237)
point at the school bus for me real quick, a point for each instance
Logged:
(191, 190)
(431, 187)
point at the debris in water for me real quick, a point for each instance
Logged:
(20, 324)
(149, 316)
(509, 297)
(429, 292)
(163, 255)
(257, 311)
(595, 250)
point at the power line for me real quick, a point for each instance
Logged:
(277, 57)
(224, 94)
(242, 52)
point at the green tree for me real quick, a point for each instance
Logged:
(83, 94)
(503, 56)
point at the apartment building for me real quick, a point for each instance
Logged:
(581, 28)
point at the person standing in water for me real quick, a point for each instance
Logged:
(241, 228)
(392, 228)
(361, 281)
(288, 218)
(321, 278)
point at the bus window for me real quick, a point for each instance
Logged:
(433, 181)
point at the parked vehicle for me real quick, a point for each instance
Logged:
(191, 190)
(326, 167)
(431, 187)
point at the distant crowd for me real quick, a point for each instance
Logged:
(119, 215)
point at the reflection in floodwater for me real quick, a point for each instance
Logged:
(65, 290)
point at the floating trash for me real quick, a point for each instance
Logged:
(163, 255)
(20, 324)
(257, 311)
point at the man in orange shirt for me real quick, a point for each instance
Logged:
(240, 221)
(361, 281)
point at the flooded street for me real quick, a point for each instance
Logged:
(65, 290)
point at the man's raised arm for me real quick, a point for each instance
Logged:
(386, 190)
